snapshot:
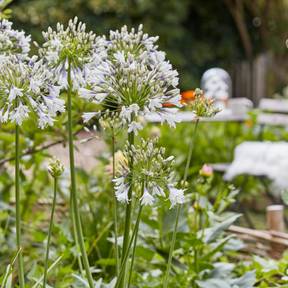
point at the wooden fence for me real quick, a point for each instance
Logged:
(250, 78)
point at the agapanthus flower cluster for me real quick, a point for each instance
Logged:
(152, 175)
(134, 80)
(27, 86)
(73, 48)
(13, 42)
(203, 106)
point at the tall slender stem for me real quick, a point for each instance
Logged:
(166, 279)
(80, 265)
(115, 206)
(74, 199)
(50, 233)
(18, 208)
(125, 248)
(189, 158)
(190, 152)
(125, 256)
(196, 228)
(134, 246)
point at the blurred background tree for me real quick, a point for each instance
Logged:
(4, 11)
(196, 34)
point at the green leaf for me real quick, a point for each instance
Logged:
(145, 253)
(49, 270)
(106, 262)
(218, 248)
(246, 281)
(214, 283)
(212, 233)
(7, 280)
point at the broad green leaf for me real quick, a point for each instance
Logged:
(106, 262)
(246, 281)
(214, 283)
(217, 248)
(212, 233)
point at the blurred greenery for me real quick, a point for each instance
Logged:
(196, 34)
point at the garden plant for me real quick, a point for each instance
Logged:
(150, 213)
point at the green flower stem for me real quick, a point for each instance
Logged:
(18, 208)
(166, 279)
(50, 233)
(190, 152)
(125, 248)
(125, 256)
(189, 158)
(134, 246)
(115, 206)
(74, 201)
(80, 265)
(195, 249)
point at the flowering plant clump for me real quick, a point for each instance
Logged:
(13, 42)
(202, 106)
(26, 86)
(71, 48)
(152, 175)
(135, 79)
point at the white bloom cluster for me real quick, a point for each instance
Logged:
(71, 47)
(135, 79)
(152, 175)
(13, 42)
(176, 196)
(28, 86)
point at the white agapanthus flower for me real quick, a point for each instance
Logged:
(147, 199)
(27, 87)
(73, 48)
(176, 196)
(13, 42)
(135, 79)
(121, 189)
(152, 176)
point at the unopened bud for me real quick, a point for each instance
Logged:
(206, 171)
(55, 168)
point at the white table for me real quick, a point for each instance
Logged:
(274, 105)
(226, 115)
(186, 116)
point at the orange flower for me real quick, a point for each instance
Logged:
(187, 96)
(167, 104)
(249, 123)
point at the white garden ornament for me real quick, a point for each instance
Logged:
(268, 159)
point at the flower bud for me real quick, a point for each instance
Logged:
(155, 132)
(206, 171)
(55, 168)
